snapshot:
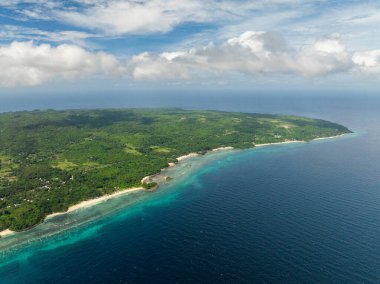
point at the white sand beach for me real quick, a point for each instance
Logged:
(91, 202)
(6, 233)
(277, 143)
(330, 137)
(179, 159)
(222, 149)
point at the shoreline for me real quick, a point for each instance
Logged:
(185, 157)
(222, 149)
(299, 141)
(330, 137)
(284, 142)
(6, 233)
(95, 201)
(80, 205)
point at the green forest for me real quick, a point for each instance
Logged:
(50, 160)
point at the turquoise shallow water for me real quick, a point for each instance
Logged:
(296, 213)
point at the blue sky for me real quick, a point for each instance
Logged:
(117, 44)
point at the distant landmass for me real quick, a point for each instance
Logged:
(52, 160)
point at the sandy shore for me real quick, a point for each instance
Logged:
(222, 149)
(91, 202)
(299, 141)
(83, 204)
(6, 233)
(323, 138)
(191, 155)
(277, 143)
(179, 159)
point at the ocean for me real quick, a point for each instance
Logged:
(291, 213)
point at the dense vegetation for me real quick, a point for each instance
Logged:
(50, 160)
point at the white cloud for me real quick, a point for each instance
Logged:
(302, 21)
(157, 67)
(118, 17)
(299, 20)
(252, 53)
(326, 56)
(368, 61)
(45, 3)
(35, 13)
(136, 17)
(18, 33)
(26, 64)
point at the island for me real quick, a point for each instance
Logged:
(52, 160)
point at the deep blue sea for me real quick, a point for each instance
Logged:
(296, 213)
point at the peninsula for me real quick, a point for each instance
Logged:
(53, 160)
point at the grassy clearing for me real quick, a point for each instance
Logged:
(65, 165)
(159, 149)
(7, 166)
(129, 149)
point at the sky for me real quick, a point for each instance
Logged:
(85, 45)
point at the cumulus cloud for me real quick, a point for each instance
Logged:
(368, 61)
(27, 64)
(148, 66)
(252, 53)
(326, 56)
